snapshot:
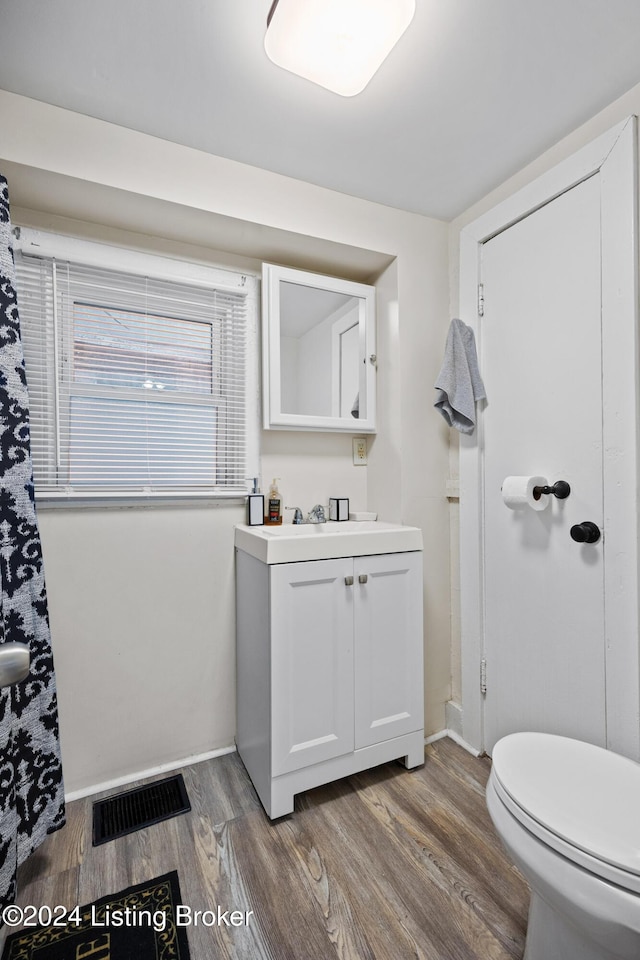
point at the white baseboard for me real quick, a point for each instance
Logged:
(453, 716)
(463, 743)
(456, 738)
(436, 736)
(453, 727)
(144, 774)
(210, 755)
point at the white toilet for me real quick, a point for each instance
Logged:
(568, 813)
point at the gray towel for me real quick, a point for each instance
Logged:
(459, 384)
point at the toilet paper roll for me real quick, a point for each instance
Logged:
(518, 492)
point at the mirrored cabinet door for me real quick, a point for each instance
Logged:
(318, 352)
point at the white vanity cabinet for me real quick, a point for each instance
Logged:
(329, 669)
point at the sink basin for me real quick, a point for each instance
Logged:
(326, 541)
(307, 529)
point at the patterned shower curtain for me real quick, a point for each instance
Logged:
(31, 789)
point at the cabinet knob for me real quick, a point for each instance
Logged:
(363, 578)
(348, 581)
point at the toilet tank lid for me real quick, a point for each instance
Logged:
(587, 796)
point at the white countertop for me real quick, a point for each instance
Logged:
(289, 543)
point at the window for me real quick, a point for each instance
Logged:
(138, 383)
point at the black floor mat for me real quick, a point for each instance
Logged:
(150, 931)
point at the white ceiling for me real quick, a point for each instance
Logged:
(474, 90)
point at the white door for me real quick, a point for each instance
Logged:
(556, 657)
(541, 359)
(311, 662)
(388, 647)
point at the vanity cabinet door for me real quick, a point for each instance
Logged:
(388, 647)
(311, 663)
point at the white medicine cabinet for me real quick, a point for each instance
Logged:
(319, 352)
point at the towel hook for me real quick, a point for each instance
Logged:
(560, 489)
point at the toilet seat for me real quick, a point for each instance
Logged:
(579, 799)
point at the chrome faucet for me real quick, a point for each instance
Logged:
(316, 514)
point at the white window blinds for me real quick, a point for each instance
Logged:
(137, 384)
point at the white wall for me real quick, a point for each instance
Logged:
(142, 621)
(625, 106)
(142, 608)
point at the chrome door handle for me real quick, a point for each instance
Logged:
(363, 578)
(348, 581)
(14, 663)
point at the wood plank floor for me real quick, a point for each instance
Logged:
(388, 864)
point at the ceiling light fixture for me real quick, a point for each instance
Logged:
(338, 44)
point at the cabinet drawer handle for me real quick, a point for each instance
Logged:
(348, 581)
(363, 578)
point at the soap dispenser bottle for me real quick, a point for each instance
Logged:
(255, 505)
(275, 503)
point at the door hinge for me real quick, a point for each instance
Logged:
(483, 676)
(481, 299)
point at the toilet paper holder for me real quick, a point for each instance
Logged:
(560, 489)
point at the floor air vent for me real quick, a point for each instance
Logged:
(135, 809)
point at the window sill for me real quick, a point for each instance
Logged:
(95, 501)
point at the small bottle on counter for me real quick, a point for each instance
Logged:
(274, 503)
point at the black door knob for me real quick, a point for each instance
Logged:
(586, 532)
